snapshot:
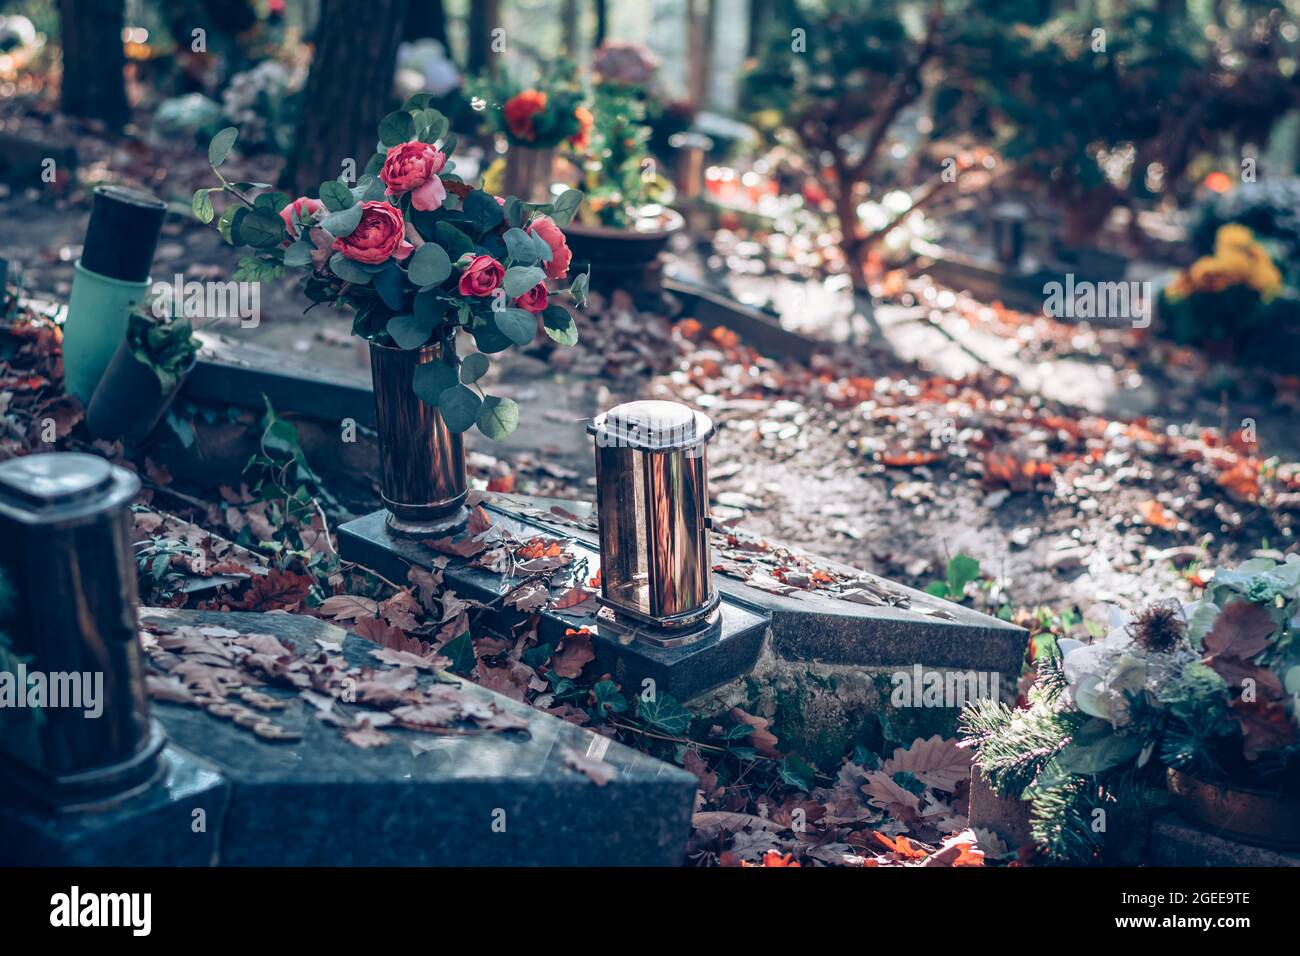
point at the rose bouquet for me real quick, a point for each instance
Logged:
(418, 255)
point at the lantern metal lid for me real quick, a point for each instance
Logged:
(652, 503)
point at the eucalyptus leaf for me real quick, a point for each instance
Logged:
(473, 367)
(342, 223)
(482, 211)
(410, 332)
(517, 325)
(428, 265)
(520, 246)
(431, 379)
(347, 270)
(259, 228)
(396, 128)
(335, 195)
(220, 145)
(519, 279)
(202, 206)
(459, 407)
(559, 325)
(498, 417)
(298, 254)
(388, 283)
(453, 240)
(566, 207)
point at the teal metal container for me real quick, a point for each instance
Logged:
(98, 310)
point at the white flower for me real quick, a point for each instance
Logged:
(1101, 674)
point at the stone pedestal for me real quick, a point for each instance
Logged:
(825, 669)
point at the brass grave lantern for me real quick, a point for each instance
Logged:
(652, 500)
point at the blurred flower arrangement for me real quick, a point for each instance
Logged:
(1211, 689)
(547, 114)
(619, 175)
(418, 254)
(1225, 296)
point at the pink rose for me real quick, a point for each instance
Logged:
(550, 234)
(298, 211)
(380, 234)
(481, 276)
(535, 299)
(413, 168)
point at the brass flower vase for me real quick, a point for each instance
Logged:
(529, 173)
(422, 462)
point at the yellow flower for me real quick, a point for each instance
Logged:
(1238, 260)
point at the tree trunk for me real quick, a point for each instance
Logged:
(93, 85)
(569, 19)
(348, 90)
(701, 23)
(760, 17)
(483, 17)
(426, 18)
(602, 21)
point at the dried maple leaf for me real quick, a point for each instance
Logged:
(774, 858)
(960, 849)
(1241, 629)
(366, 736)
(1241, 480)
(936, 762)
(1154, 514)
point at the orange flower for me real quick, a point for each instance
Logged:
(520, 110)
(582, 138)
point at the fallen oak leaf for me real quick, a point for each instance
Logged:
(597, 771)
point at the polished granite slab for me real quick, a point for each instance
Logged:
(509, 798)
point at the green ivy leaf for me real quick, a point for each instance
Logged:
(664, 713)
(429, 265)
(459, 406)
(517, 325)
(460, 651)
(498, 417)
(473, 367)
(220, 145)
(607, 698)
(342, 223)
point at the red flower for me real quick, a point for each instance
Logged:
(545, 228)
(481, 276)
(302, 208)
(582, 138)
(520, 110)
(380, 234)
(413, 168)
(535, 299)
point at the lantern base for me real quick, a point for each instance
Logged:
(700, 625)
(436, 528)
